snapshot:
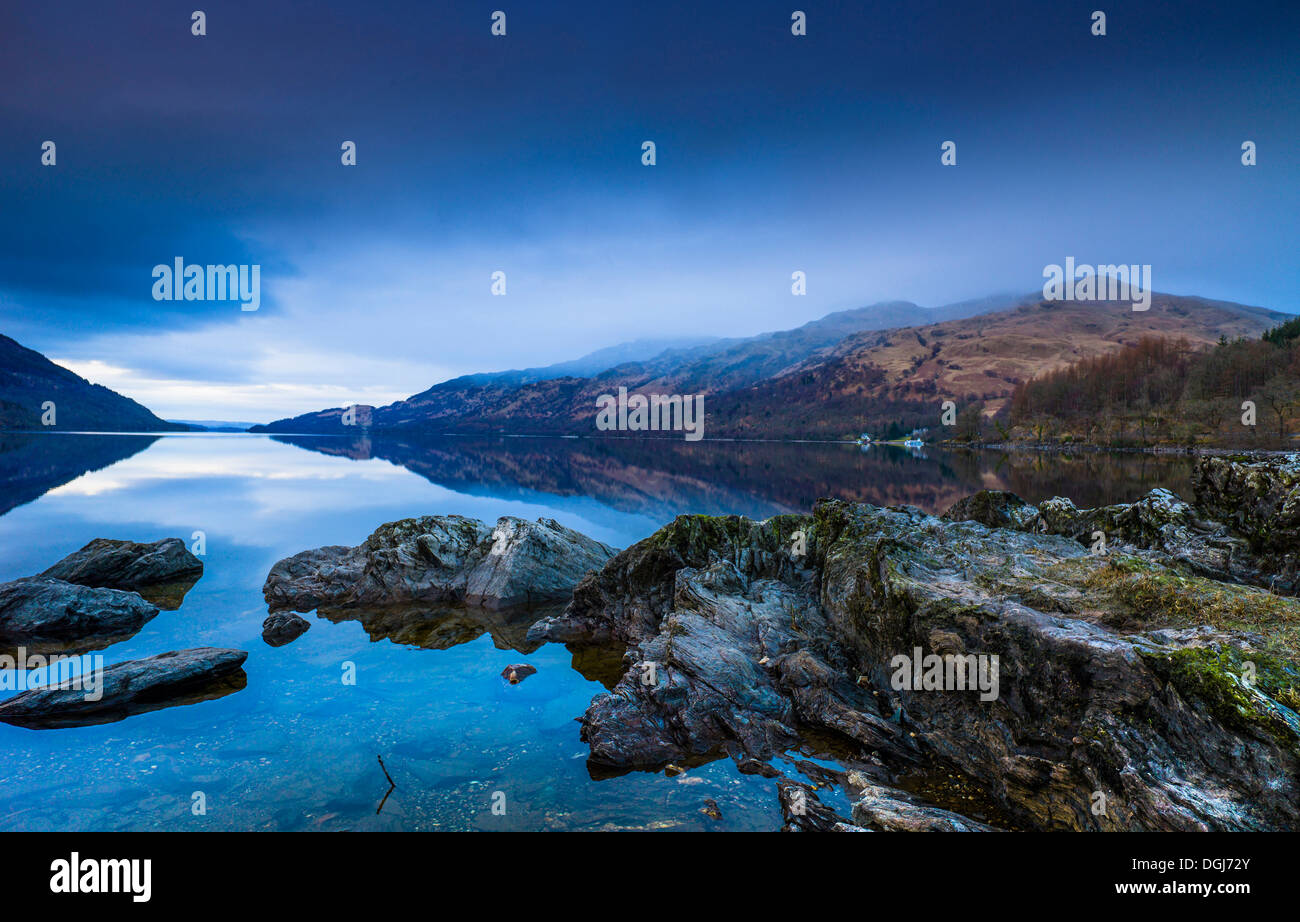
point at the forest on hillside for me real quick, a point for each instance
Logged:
(1161, 391)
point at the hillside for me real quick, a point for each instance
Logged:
(28, 379)
(987, 356)
(888, 365)
(901, 377)
(550, 403)
(590, 364)
(1166, 391)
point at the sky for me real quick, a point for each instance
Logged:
(522, 154)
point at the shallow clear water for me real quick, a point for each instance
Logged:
(296, 748)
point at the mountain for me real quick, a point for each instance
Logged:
(28, 380)
(500, 400)
(901, 377)
(590, 364)
(980, 356)
(890, 365)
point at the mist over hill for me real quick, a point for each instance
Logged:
(888, 364)
(554, 399)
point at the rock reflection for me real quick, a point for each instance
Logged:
(441, 627)
(217, 687)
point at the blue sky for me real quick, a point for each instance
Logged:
(522, 153)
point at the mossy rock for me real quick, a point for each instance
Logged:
(1218, 677)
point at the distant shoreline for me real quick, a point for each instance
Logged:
(1005, 447)
(1051, 448)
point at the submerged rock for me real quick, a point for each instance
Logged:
(52, 616)
(1120, 679)
(517, 672)
(447, 559)
(161, 571)
(748, 766)
(133, 687)
(281, 628)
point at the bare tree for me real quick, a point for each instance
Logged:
(1280, 395)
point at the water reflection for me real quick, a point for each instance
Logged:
(168, 596)
(33, 464)
(297, 748)
(441, 627)
(662, 478)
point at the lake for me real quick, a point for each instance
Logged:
(297, 748)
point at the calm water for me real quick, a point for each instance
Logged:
(296, 748)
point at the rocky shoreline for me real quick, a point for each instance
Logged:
(1136, 692)
(1196, 451)
(1143, 655)
(1005, 665)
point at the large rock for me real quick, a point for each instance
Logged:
(439, 559)
(161, 571)
(726, 646)
(1123, 679)
(1242, 527)
(1257, 496)
(52, 616)
(994, 508)
(1258, 499)
(133, 687)
(530, 562)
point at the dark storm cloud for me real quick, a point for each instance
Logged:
(224, 148)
